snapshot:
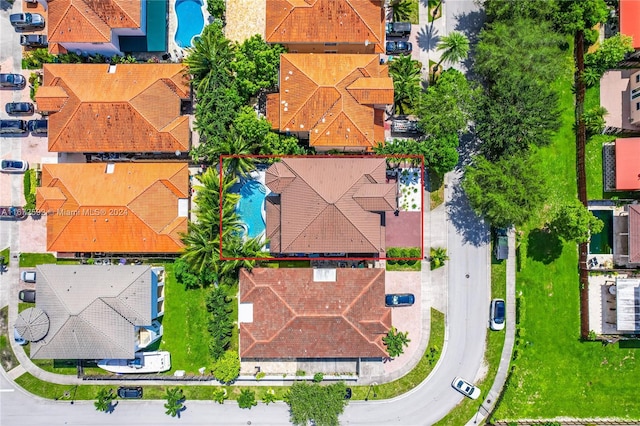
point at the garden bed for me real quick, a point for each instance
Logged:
(410, 188)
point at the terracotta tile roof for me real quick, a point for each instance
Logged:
(630, 20)
(627, 164)
(634, 233)
(90, 21)
(295, 317)
(330, 205)
(325, 21)
(138, 202)
(134, 109)
(330, 97)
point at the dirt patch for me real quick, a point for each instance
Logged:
(244, 19)
(7, 358)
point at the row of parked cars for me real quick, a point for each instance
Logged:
(21, 127)
(398, 47)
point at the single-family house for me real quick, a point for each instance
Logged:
(326, 26)
(620, 96)
(627, 237)
(301, 313)
(621, 165)
(94, 311)
(107, 27)
(124, 108)
(630, 22)
(336, 102)
(328, 205)
(115, 207)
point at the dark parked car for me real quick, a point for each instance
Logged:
(398, 47)
(497, 313)
(398, 29)
(19, 108)
(133, 392)
(27, 21)
(399, 299)
(28, 296)
(13, 127)
(501, 244)
(14, 81)
(38, 127)
(404, 125)
(34, 40)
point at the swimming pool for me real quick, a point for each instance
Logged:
(250, 207)
(602, 242)
(190, 21)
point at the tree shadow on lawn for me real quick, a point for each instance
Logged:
(544, 246)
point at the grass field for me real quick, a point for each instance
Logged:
(555, 373)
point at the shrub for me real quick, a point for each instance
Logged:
(220, 325)
(438, 257)
(260, 375)
(227, 368)
(269, 396)
(396, 341)
(301, 373)
(219, 395)
(318, 377)
(247, 399)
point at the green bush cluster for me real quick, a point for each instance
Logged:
(247, 399)
(30, 189)
(403, 252)
(220, 323)
(227, 368)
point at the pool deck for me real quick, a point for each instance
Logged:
(177, 52)
(245, 18)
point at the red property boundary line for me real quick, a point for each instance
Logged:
(397, 157)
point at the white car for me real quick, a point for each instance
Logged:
(497, 314)
(28, 276)
(13, 166)
(465, 388)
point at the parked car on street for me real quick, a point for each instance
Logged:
(27, 296)
(501, 244)
(34, 40)
(398, 29)
(398, 47)
(18, 338)
(13, 81)
(19, 108)
(131, 392)
(465, 388)
(13, 166)
(38, 127)
(28, 276)
(13, 127)
(399, 299)
(497, 313)
(27, 21)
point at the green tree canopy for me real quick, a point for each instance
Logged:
(320, 405)
(509, 10)
(507, 192)
(227, 368)
(611, 52)
(454, 47)
(175, 402)
(256, 66)
(445, 108)
(247, 399)
(574, 222)
(396, 341)
(580, 15)
(514, 115)
(103, 399)
(405, 73)
(520, 50)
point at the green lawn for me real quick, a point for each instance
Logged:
(29, 260)
(6, 255)
(185, 326)
(555, 374)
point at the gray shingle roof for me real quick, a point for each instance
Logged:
(93, 310)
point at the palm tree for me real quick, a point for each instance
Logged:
(454, 48)
(207, 61)
(401, 10)
(235, 145)
(406, 81)
(175, 400)
(103, 400)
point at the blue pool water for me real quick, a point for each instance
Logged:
(190, 21)
(249, 207)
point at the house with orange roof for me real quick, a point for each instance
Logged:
(301, 313)
(326, 26)
(630, 21)
(336, 102)
(328, 205)
(107, 27)
(115, 207)
(123, 108)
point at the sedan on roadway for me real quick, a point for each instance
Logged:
(465, 388)
(13, 166)
(399, 299)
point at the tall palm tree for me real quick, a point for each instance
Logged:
(406, 81)
(103, 400)
(175, 399)
(401, 10)
(207, 61)
(454, 48)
